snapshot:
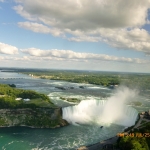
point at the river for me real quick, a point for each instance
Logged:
(65, 138)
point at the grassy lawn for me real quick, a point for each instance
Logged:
(40, 103)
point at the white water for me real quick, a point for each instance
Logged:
(103, 112)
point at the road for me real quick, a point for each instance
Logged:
(99, 146)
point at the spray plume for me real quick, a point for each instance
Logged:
(104, 112)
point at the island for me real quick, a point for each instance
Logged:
(72, 100)
(20, 107)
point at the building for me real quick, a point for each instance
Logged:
(18, 99)
(26, 100)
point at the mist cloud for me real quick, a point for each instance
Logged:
(104, 112)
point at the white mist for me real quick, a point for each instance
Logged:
(103, 112)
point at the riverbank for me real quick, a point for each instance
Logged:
(100, 145)
(34, 118)
(87, 78)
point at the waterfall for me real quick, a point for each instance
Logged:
(103, 112)
(97, 112)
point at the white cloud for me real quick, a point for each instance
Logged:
(8, 49)
(86, 15)
(40, 28)
(135, 39)
(67, 59)
(71, 55)
(118, 23)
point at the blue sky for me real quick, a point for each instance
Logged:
(75, 34)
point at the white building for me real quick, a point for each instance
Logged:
(18, 99)
(26, 100)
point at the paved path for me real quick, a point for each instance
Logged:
(139, 122)
(141, 125)
(99, 146)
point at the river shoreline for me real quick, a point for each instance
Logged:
(100, 144)
(33, 118)
(32, 127)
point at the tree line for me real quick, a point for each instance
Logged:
(8, 97)
(137, 139)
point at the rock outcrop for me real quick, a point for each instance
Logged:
(36, 118)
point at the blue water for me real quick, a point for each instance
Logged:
(65, 138)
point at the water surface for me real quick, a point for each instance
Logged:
(67, 138)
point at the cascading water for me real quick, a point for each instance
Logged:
(103, 112)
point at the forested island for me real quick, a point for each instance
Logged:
(20, 107)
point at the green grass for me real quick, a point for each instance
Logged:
(40, 103)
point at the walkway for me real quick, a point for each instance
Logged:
(99, 146)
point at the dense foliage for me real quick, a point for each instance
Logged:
(138, 142)
(129, 143)
(133, 80)
(8, 97)
(43, 120)
(79, 77)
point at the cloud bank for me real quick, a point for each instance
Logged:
(84, 15)
(71, 55)
(118, 23)
(68, 59)
(34, 54)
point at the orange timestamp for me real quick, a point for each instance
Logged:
(125, 134)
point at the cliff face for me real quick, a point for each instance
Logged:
(38, 118)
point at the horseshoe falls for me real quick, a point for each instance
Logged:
(103, 112)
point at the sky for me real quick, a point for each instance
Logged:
(98, 35)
